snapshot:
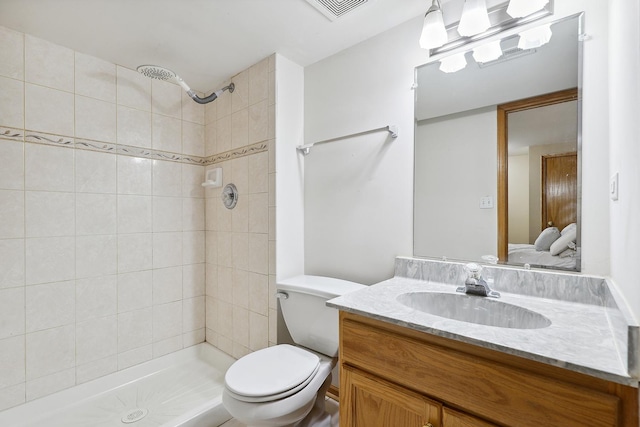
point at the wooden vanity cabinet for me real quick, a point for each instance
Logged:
(391, 376)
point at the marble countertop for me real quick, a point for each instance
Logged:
(580, 337)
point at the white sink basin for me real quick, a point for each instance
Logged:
(474, 309)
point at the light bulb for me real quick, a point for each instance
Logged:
(522, 8)
(487, 52)
(475, 18)
(434, 34)
(535, 37)
(453, 63)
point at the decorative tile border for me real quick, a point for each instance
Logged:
(11, 134)
(127, 150)
(247, 150)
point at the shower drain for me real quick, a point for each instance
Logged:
(134, 415)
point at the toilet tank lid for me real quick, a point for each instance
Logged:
(327, 287)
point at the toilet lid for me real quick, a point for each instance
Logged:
(272, 371)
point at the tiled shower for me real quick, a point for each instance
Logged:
(111, 252)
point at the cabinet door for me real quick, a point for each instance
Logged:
(451, 418)
(369, 401)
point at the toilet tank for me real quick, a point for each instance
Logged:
(310, 322)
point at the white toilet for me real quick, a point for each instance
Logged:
(285, 385)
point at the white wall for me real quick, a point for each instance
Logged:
(624, 106)
(518, 199)
(455, 166)
(363, 217)
(368, 86)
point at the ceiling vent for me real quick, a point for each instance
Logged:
(334, 9)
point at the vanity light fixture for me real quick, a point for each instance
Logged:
(487, 52)
(477, 22)
(434, 33)
(522, 8)
(474, 19)
(453, 63)
(535, 37)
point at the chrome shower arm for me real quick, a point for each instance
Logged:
(211, 97)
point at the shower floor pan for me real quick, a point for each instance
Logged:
(180, 389)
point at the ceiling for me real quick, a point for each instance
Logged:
(206, 42)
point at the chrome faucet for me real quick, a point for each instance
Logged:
(475, 284)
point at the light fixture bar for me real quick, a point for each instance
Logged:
(500, 21)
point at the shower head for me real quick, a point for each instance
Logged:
(161, 73)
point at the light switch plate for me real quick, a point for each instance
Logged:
(486, 202)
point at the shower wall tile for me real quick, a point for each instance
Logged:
(85, 259)
(258, 122)
(96, 255)
(193, 314)
(167, 214)
(133, 89)
(50, 384)
(12, 54)
(258, 165)
(258, 253)
(50, 214)
(193, 214)
(167, 285)
(166, 98)
(240, 284)
(95, 77)
(166, 133)
(223, 134)
(12, 171)
(167, 320)
(193, 139)
(12, 217)
(210, 139)
(193, 247)
(96, 297)
(95, 119)
(167, 249)
(258, 82)
(96, 339)
(223, 104)
(240, 128)
(134, 127)
(134, 175)
(11, 103)
(167, 346)
(135, 252)
(135, 291)
(135, 356)
(12, 396)
(50, 259)
(12, 263)
(193, 280)
(95, 214)
(48, 64)
(96, 369)
(49, 110)
(13, 312)
(50, 351)
(192, 111)
(134, 329)
(240, 96)
(95, 172)
(50, 305)
(258, 331)
(134, 214)
(49, 168)
(167, 178)
(259, 293)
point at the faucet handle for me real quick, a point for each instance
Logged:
(473, 270)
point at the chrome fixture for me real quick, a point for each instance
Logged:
(229, 196)
(475, 284)
(477, 23)
(160, 73)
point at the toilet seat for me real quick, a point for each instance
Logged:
(290, 370)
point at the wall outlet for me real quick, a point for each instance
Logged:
(486, 202)
(613, 187)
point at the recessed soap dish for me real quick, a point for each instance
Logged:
(213, 178)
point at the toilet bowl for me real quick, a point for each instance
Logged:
(285, 385)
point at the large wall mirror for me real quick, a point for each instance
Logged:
(497, 155)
